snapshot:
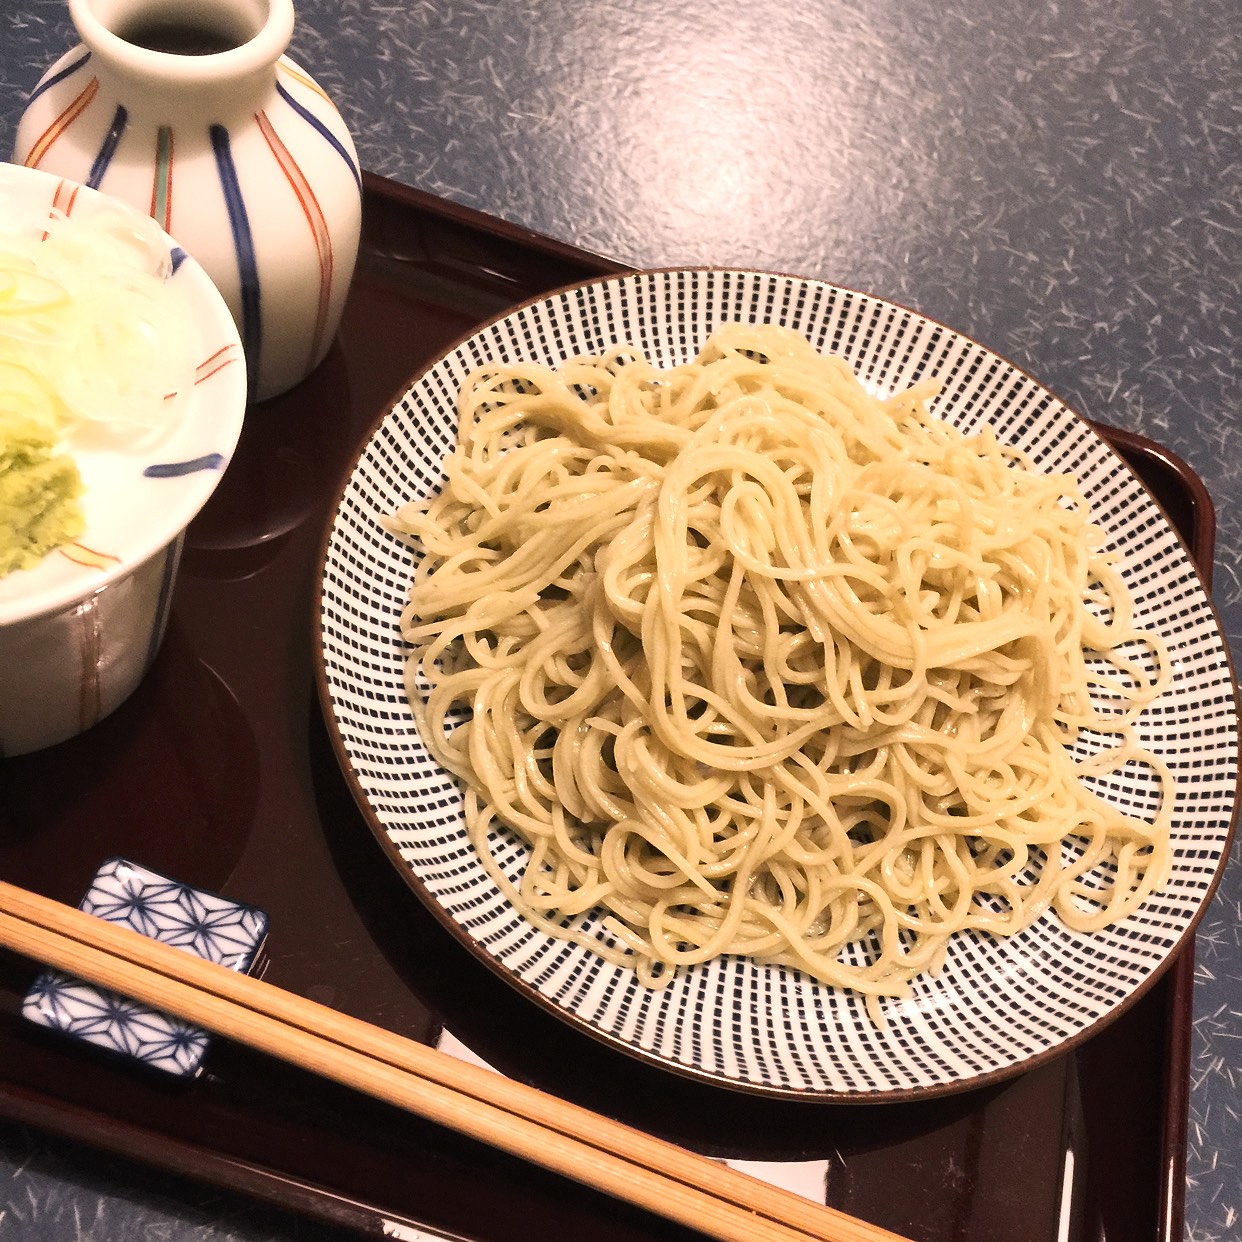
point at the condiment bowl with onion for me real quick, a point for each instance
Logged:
(122, 397)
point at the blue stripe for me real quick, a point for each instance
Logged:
(243, 244)
(178, 257)
(120, 118)
(311, 119)
(58, 77)
(177, 469)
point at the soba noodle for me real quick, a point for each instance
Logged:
(758, 663)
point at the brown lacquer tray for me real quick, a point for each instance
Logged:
(219, 771)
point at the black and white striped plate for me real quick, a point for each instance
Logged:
(998, 1005)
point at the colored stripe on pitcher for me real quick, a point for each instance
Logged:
(56, 78)
(316, 221)
(48, 138)
(107, 149)
(161, 183)
(316, 124)
(243, 246)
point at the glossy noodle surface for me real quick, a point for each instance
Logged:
(760, 663)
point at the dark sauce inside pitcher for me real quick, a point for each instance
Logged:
(179, 37)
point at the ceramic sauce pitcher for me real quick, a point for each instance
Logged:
(194, 114)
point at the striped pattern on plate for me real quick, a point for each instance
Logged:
(998, 1005)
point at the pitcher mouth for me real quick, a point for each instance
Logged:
(218, 39)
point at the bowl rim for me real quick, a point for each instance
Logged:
(226, 402)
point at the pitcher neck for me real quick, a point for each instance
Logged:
(219, 59)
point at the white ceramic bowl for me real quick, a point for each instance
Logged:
(79, 630)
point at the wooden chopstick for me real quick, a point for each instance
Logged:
(540, 1128)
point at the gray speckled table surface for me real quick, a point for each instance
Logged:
(1061, 181)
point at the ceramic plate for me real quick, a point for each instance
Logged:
(139, 491)
(997, 1006)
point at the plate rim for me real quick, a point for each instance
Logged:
(827, 1096)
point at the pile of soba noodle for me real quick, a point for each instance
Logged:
(760, 664)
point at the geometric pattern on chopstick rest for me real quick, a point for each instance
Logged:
(212, 927)
(994, 1007)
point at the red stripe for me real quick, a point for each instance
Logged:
(92, 559)
(58, 199)
(168, 189)
(224, 349)
(45, 140)
(198, 379)
(217, 362)
(314, 218)
(59, 207)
